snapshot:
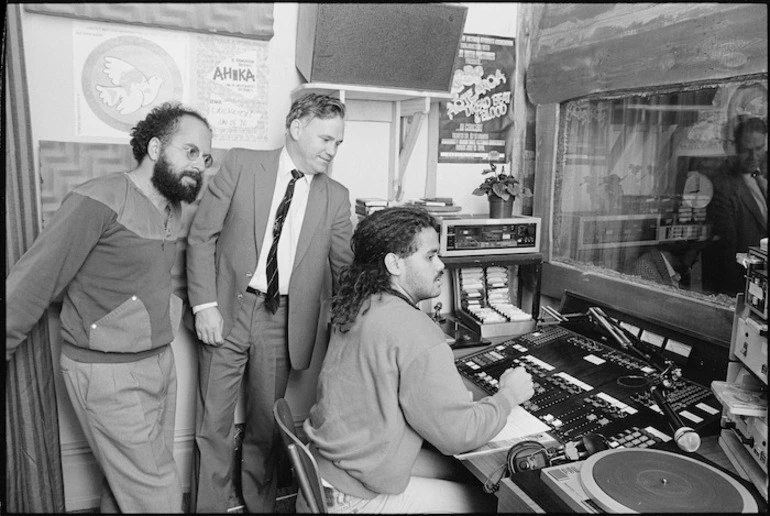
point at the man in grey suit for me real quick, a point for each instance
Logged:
(257, 293)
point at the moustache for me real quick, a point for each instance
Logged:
(192, 174)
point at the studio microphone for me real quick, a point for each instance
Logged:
(685, 437)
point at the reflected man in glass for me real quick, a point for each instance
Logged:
(670, 263)
(738, 211)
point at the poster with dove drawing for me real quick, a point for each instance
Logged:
(123, 71)
(130, 89)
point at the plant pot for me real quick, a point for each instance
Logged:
(500, 208)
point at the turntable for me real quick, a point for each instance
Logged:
(646, 481)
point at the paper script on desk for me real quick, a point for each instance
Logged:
(521, 426)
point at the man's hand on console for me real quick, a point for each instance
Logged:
(516, 385)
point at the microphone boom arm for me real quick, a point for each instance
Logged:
(668, 372)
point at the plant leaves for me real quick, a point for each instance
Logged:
(500, 191)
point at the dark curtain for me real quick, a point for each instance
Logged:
(33, 481)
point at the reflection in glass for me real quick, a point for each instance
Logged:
(650, 185)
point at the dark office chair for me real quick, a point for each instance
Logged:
(304, 465)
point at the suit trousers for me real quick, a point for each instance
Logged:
(255, 351)
(127, 413)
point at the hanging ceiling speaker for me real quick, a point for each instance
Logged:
(411, 46)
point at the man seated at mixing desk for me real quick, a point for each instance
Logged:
(389, 383)
(670, 263)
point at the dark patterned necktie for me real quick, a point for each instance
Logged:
(271, 300)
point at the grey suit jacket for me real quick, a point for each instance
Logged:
(226, 235)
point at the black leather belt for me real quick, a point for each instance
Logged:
(259, 293)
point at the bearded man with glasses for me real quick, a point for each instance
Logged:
(110, 249)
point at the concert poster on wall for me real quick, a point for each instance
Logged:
(473, 125)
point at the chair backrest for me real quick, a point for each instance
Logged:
(304, 465)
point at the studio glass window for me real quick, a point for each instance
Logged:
(638, 178)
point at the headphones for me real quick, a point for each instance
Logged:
(527, 456)
(532, 455)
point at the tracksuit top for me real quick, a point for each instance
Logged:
(110, 251)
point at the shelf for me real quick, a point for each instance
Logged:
(496, 259)
(355, 92)
(410, 109)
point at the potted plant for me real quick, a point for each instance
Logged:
(501, 190)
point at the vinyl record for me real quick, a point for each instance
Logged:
(644, 480)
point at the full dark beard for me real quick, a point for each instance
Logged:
(171, 186)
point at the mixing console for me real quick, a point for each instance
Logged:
(584, 386)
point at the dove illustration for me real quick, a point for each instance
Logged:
(132, 89)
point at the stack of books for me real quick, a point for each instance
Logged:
(437, 205)
(368, 205)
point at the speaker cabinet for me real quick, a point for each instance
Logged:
(410, 46)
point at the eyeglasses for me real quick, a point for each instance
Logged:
(193, 153)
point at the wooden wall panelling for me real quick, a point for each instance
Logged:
(521, 138)
(546, 135)
(252, 20)
(65, 165)
(583, 49)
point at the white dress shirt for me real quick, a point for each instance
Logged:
(287, 244)
(675, 276)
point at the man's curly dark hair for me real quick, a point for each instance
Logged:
(161, 122)
(392, 230)
(315, 106)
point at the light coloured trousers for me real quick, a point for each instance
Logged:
(438, 484)
(127, 414)
(422, 495)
